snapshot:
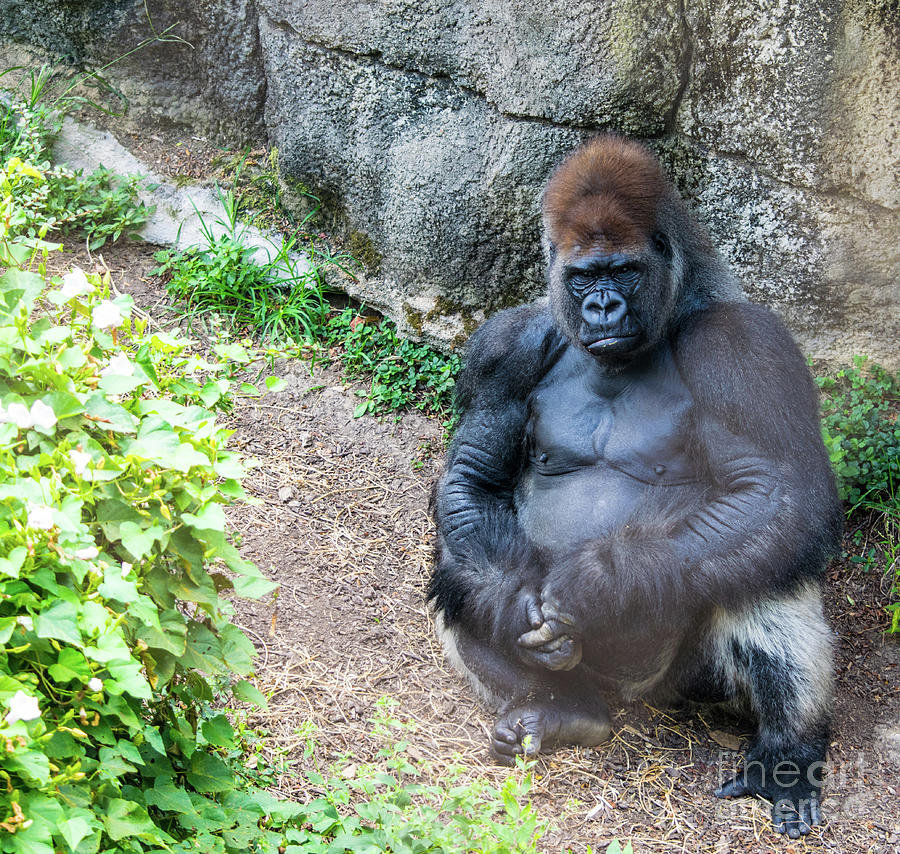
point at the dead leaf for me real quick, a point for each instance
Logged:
(725, 739)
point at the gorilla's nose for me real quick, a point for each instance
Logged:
(604, 307)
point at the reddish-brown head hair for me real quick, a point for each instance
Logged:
(604, 196)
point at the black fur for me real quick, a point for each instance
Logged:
(638, 494)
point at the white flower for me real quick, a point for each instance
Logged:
(18, 414)
(42, 415)
(88, 553)
(95, 684)
(80, 460)
(22, 708)
(126, 568)
(75, 284)
(106, 314)
(119, 365)
(40, 516)
(25, 622)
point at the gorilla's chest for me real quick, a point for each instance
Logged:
(598, 448)
(636, 423)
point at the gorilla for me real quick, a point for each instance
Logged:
(637, 498)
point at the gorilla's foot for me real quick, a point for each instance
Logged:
(793, 812)
(792, 786)
(544, 724)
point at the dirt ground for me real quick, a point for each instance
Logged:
(342, 526)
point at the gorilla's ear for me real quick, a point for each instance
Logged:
(662, 244)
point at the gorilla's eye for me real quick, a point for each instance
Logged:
(626, 274)
(627, 278)
(581, 283)
(663, 244)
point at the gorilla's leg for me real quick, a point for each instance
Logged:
(776, 658)
(540, 710)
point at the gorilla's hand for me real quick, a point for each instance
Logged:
(553, 641)
(520, 614)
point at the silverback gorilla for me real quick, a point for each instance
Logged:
(638, 498)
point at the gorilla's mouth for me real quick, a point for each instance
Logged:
(612, 343)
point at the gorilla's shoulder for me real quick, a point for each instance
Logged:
(740, 332)
(510, 352)
(740, 359)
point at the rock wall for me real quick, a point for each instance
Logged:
(201, 66)
(429, 126)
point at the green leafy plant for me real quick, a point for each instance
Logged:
(55, 198)
(115, 551)
(27, 122)
(881, 544)
(402, 374)
(386, 807)
(223, 278)
(860, 426)
(17, 249)
(860, 408)
(282, 300)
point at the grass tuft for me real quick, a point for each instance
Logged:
(283, 300)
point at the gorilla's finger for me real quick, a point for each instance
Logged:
(778, 824)
(529, 740)
(549, 603)
(548, 632)
(533, 612)
(504, 733)
(553, 611)
(531, 744)
(574, 657)
(787, 819)
(808, 815)
(538, 636)
(503, 753)
(513, 736)
(566, 657)
(562, 655)
(555, 644)
(805, 823)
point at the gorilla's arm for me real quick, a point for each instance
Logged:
(770, 516)
(774, 516)
(487, 575)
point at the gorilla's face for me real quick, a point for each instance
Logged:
(614, 304)
(604, 286)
